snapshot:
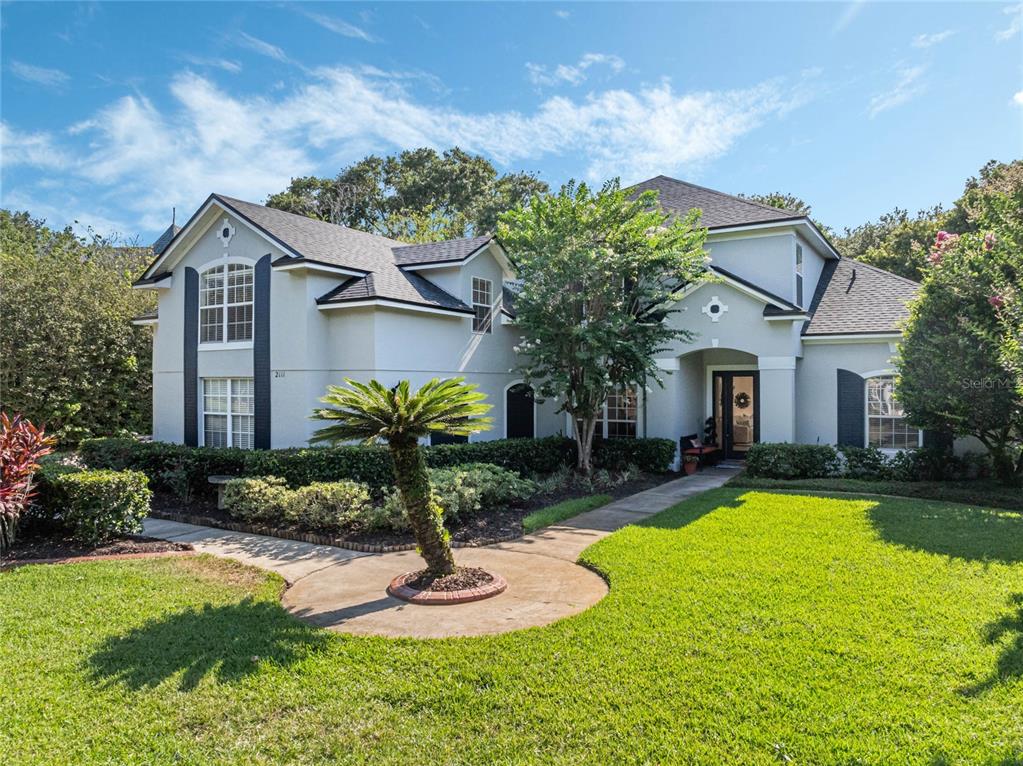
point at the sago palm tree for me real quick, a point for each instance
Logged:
(371, 412)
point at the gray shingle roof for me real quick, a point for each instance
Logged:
(164, 239)
(335, 245)
(440, 252)
(854, 297)
(365, 288)
(719, 209)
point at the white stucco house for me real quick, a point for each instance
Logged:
(259, 310)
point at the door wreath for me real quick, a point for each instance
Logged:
(742, 400)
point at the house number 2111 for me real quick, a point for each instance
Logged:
(279, 373)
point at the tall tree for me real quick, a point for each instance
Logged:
(896, 242)
(401, 417)
(599, 272)
(416, 196)
(959, 361)
(69, 355)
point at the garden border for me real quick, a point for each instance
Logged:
(312, 537)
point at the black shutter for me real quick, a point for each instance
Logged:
(519, 411)
(261, 353)
(939, 440)
(852, 408)
(190, 367)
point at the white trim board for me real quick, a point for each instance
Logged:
(393, 305)
(880, 337)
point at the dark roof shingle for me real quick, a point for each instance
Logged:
(334, 245)
(439, 252)
(854, 297)
(719, 209)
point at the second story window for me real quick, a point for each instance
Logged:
(799, 275)
(225, 304)
(482, 304)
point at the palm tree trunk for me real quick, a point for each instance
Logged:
(427, 523)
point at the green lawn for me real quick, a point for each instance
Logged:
(740, 628)
(552, 514)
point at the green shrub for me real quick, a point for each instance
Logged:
(338, 506)
(97, 505)
(792, 461)
(926, 464)
(299, 467)
(263, 499)
(651, 455)
(526, 457)
(463, 491)
(865, 463)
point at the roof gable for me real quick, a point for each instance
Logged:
(719, 209)
(857, 298)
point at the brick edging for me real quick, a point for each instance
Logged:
(399, 589)
(312, 537)
(107, 557)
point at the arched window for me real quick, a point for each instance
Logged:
(225, 303)
(886, 423)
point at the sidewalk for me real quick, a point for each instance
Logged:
(346, 590)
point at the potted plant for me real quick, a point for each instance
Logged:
(690, 463)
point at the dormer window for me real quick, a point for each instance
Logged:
(225, 304)
(799, 275)
(482, 304)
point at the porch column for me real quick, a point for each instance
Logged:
(777, 398)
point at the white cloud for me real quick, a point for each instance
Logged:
(906, 87)
(35, 149)
(1016, 11)
(339, 26)
(1017, 98)
(38, 75)
(262, 47)
(138, 161)
(927, 40)
(228, 65)
(562, 14)
(573, 74)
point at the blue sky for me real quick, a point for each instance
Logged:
(113, 113)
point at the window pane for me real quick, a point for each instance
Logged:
(211, 325)
(239, 322)
(481, 322)
(621, 414)
(215, 432)
(239, 283)
(211, 288)
(241, 396)
(242, 430)
(215, 395)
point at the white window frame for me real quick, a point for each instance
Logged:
(800, 268)
(867, 379)
(488, 320)
(229, 413)
(604, 419)
(225, 305)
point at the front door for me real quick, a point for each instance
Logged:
(737, 411)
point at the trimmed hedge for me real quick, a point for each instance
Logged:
(792, 461)
(168, 465)
(94, 506)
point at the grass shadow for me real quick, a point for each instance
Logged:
(688, 511)
(961, 531)
(1009, 666)
(228, 641)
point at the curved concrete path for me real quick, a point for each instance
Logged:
(345, 591)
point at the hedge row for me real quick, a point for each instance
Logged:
(822, 461)
(181, 469)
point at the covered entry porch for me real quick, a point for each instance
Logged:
(729, 398)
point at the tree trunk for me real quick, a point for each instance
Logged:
(425, 515)
(584, 443)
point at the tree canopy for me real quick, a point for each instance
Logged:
(598, 271)
(960, 368)
(70, 356)
(415, 196)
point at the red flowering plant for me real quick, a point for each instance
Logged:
(22, 444)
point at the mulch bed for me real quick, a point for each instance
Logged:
(56, 548)
(463, 579)
(467, 584)
(486, 528)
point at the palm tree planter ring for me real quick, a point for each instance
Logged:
(371, 412)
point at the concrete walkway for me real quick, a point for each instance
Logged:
(345, 590)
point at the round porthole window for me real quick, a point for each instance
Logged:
(715, 309)
(226, 232)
